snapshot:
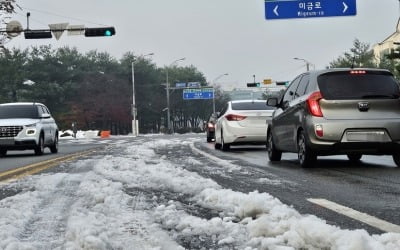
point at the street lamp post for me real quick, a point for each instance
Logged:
(134, 110)
(213, 82)
(304, 60)
(167, 89)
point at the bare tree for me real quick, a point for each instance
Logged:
(7, 7)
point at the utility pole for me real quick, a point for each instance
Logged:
(213, 83)
(167, 89)
(135, 130)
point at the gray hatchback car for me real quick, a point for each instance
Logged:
(337, 111)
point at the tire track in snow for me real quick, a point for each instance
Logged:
(46, 228)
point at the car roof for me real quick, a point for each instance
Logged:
(250, 100)
(20, 103)
(322, 71)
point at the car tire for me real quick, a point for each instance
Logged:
(3, 152)
(307, 158)
(209, 139)
(396, 159)
(273, 153)
(225, 146)
(54, 146)
(354, 157)
(217, 146)
(39, 149)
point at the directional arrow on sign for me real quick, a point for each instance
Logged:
(345, 7)
(276, 10)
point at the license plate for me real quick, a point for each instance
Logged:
(6, 141)
(367, 136)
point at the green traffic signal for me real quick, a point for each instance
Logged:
(106, 31)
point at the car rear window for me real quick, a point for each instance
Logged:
(348, 85)
(251, 106)
(18, 111)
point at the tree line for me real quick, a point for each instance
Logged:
(95, 89)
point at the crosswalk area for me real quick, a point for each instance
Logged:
(99, 141)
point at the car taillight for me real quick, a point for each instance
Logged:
(313, 104)
(319, 131)
(232, 117)
(211, 125)
(358, 72)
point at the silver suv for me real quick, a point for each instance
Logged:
(27, 126)
(337, 111)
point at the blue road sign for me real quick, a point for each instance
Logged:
(180, 85)
(309, 8)
(193, 84)
(193, 94)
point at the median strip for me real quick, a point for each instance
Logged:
(354, 214)
(31, 169)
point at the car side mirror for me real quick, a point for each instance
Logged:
(273, 102)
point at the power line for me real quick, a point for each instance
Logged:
(30, 18)
(58, 15)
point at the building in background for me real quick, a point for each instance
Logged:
(388, 45)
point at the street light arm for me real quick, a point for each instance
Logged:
(177, 60)
(218, 77)
(304, 60)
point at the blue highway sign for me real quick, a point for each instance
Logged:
(180, 84)
(193, 94)
(309, 8)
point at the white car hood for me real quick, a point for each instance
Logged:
(17, 122)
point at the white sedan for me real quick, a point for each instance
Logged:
(242, 122)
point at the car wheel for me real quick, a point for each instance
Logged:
(3, 152)
(396, 159)
(306, 156)
(273, 153)
(39, 150)
(354, 157)
(54, 147)
(217, 146)
(225, 146)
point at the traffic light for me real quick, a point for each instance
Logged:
(105, 31)
(253, 84)
(282, 83)
(37, 34)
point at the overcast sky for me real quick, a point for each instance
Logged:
(216, 36)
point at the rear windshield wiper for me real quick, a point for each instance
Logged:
(380, 96)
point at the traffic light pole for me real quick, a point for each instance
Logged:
(134, 125)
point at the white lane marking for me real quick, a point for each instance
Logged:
(363, 217)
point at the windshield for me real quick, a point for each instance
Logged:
(347, 86)
(251, 106)
(18, 111)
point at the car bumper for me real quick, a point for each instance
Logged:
(378, 137)
(245, 135)
(17, 144)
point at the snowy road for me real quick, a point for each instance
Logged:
(140, 195)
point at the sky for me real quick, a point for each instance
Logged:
(216, 36)
(128, 200)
